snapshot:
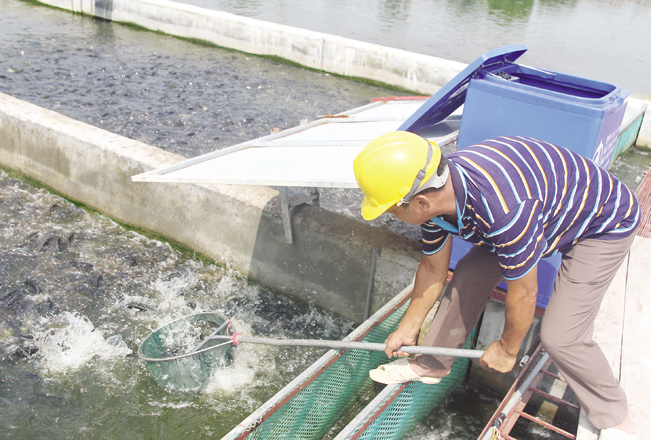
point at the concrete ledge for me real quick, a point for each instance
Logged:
(328, 264)
(330, 53)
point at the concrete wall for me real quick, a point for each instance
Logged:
(329, 262)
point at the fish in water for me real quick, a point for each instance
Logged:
(96, 279)
(33, 285)
(10, 303)
(86, 267)
(50, 243)
(137, 306)
(26, 351)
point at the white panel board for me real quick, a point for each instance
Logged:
(318, 154)
(276, 166)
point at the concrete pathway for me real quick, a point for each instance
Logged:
(635, 357)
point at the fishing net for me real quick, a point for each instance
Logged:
(412, 404)
(177, 363)
(312, 412)
(180, 356)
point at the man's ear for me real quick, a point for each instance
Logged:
(423, 202)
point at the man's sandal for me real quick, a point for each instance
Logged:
(399, 372)
(615, 434)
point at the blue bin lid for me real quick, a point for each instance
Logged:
(450, 97)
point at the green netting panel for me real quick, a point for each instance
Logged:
(414, 403)
(627, 137)
(314, 410)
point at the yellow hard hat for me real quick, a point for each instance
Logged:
(391, 168)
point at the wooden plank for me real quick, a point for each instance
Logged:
(643, 194)
(636, 362)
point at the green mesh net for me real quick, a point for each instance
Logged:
(312, 413)
(627, 137)
(315, 409)
(414, 403)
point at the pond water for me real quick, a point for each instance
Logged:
(78, 292)
(604, 40)
(77, 295)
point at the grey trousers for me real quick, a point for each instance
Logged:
(567, 327)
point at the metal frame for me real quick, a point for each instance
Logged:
(370, 412)
(286, 205)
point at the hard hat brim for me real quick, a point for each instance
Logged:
(371, 212)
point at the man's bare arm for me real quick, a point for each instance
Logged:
(431, 276)
(520, 308)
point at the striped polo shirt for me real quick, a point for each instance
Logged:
(526, 199)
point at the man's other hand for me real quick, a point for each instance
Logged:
(497, 358)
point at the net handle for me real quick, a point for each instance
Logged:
(371, 346)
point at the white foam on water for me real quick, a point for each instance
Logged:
(173, 405)
(326, 324)
(251, 365)
(71, 341)
(170, 298)
(422, 433)
(183, 337)
(241, 373)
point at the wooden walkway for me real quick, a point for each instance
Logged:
(624, 325)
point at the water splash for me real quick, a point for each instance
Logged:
(71, 341)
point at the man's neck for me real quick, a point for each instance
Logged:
(446, 203)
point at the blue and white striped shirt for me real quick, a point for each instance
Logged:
(526, 199)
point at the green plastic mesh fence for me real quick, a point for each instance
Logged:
(414, 403)
(312, 412)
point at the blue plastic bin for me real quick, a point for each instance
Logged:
(502, 98)
(579, 114)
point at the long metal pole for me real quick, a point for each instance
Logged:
(412, 349)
